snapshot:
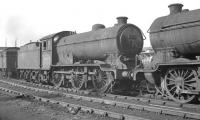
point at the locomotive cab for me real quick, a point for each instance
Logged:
(49, 52)
(46, 53)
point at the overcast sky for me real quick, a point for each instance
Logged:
(25, 20)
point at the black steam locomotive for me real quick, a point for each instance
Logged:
(174, 69)
(108, 58)
(98, 57)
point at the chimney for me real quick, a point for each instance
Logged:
(121, 20)
(175, 8)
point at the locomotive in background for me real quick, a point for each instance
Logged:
(8, 61)
(174, 68)
(109, 58)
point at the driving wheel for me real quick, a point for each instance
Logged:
(178, 80)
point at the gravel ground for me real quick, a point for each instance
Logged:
(12, 108)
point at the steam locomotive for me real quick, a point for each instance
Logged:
(174, 69)
(104, 59)
(96, 58)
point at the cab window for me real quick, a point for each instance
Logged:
(44, 45)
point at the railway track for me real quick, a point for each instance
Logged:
(128, 105)
(147, 100)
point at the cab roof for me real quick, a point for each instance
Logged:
(62, 33)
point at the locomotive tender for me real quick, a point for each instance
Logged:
(8, 61)
(108, 57)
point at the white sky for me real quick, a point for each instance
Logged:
(27, 20)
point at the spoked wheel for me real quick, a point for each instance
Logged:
(33, 77)
(178, 80)
(27, 76)
(39, 78)
(78, 81)
(102, 81)
(57, 79)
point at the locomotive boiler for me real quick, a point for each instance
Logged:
(179, 31)
(101, 55)
(174, 68)
(122, 39)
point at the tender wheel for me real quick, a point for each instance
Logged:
(27, 76)
(39, 78)
(57, 80)
(78, 81)
(177, 81)
(21, 75)
(0, 74)
(33, 77)
(102, 81)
